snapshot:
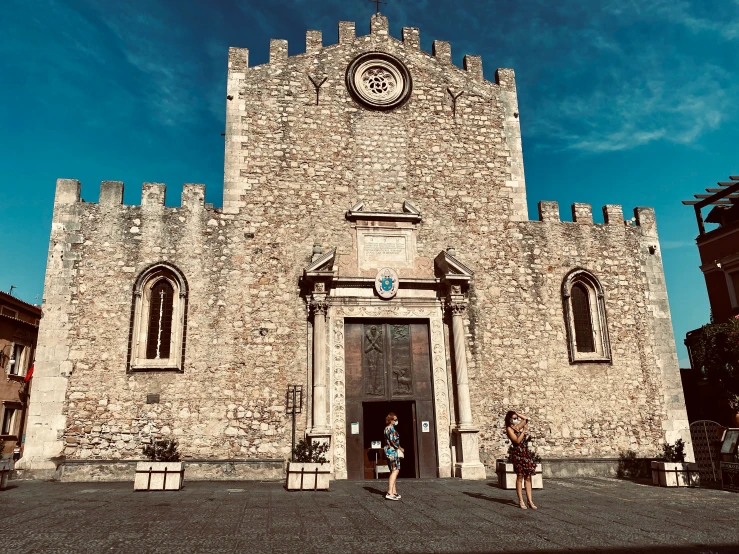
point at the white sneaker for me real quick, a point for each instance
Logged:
(391, 497)
(397, 496)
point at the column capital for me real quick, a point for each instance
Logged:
(319, 306)
(456, 307)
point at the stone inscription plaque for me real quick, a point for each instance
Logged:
(385, 248)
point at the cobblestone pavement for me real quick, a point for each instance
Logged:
(575, 515)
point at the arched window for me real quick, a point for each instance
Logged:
(585, 318)
(158, 319)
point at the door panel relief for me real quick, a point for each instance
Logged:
(388, 366)
(400, 352)
(374, 360)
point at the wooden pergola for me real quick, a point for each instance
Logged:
(727, 195)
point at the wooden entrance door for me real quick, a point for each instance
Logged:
(389, 363)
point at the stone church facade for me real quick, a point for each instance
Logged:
(374, 249)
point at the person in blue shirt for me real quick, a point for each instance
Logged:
(393, 452)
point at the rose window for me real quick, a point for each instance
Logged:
(378, 81)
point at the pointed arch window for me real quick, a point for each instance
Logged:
(158, 320)
(585, 317)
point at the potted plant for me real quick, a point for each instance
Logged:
(164, 471)
(309, 468)
(671, 470)
(506, 474)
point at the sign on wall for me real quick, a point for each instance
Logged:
(730, 476)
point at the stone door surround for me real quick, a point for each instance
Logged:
(388, 311)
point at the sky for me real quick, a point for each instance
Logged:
(622, 102)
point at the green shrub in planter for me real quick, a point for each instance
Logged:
(671, 470)
(164, 471)
(162, 450)
(309, 469)
(308, 451)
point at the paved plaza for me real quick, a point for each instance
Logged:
(575, 515)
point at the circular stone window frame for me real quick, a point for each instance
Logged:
(390, 64)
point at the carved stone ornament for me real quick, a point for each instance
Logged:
(319, 307)
(378, 81)
(386, 283)
(456, 308)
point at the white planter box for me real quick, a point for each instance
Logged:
(507, 477)
(6, 466)
(675, 474)
(151, 476)
(308, 476)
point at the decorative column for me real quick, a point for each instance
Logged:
(319, 306)
(319, 275)
(468, 465)
(458, 309)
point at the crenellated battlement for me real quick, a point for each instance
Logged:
(410, 38)
(152, 194)
(582, 214)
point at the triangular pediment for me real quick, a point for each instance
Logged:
(410, 214)
(323, 264)
(451, 268)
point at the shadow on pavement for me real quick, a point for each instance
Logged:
(698, 549)
(491, 498)
(373, 490)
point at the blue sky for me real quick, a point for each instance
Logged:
(622, 102)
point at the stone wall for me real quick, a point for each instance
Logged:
(295, 162)
(520, 352)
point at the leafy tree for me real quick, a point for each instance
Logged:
(716, 353)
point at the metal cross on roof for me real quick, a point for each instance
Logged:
(377, 4)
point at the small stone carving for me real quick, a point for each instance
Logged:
(456, 308)
(317, 85)
(454, 101)
(319, 307)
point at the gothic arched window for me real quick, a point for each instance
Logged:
(585, 318)
(159, 317)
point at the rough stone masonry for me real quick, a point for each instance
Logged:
(305, 142)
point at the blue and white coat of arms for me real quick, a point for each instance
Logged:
(386, 283)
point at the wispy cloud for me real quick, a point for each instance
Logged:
(719, 19)
(617, 75)
(630, 109)
(155, 45)
(676, 244)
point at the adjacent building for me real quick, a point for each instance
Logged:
(19, 323)
(718, 246)
(374, 249)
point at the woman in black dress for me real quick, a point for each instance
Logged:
(523, 460)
